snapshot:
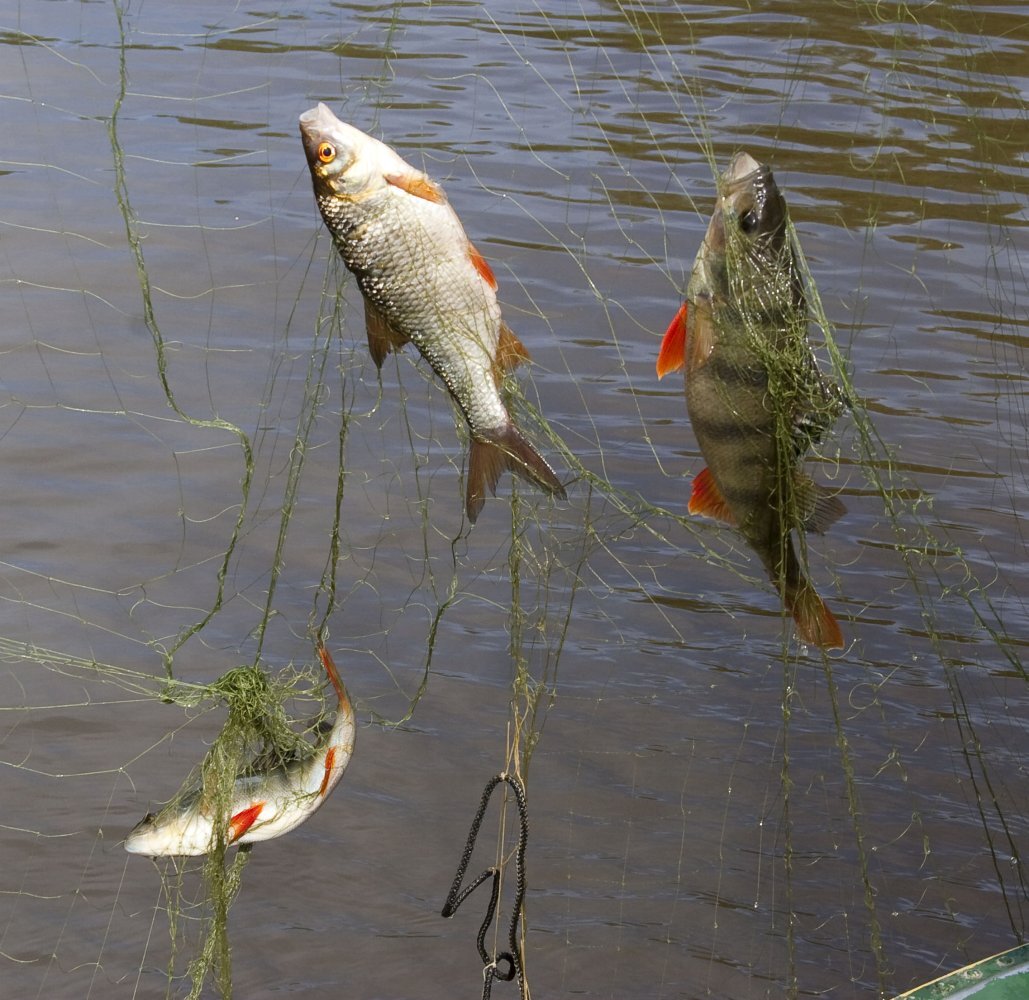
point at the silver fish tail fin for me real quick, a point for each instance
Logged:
(508, 450)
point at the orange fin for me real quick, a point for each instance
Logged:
(419, 185)
(330, 763)
(330, 669)
(707, 499)
(815, 622)
(382, 338)
(488, 459)
(243, 820)
(511, 352)
(672, 355)
(480, 264)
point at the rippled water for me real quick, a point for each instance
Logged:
(713, 812)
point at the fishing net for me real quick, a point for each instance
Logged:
(205, 473)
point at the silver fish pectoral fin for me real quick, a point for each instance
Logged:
(382, 337)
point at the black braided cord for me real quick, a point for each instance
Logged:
(512, 958)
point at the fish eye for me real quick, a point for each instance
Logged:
(749, 222)
(326, 152)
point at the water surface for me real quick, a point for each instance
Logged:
(714, 812)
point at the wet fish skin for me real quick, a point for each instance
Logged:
(265, 804)
(755, 396)
(424, 283)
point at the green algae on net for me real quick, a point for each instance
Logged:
(1000, 977)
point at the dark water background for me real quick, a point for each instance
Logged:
(714, 812)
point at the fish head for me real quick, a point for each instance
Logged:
(750, 231)
(344, 161)
(753, 208)
(147, 836)
(172, 831)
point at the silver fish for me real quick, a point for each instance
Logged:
(423, 283)
(265, 804)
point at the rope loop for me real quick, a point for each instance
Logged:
(511, 958)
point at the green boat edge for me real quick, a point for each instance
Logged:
(976, 979)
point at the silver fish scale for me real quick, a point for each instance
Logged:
(410, 258)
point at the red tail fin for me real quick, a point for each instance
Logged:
(330, 668)
(344, 706)
(815, 622)
(488, 459)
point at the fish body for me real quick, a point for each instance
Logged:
(754, 394)
(265, 804)
(423, 283)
